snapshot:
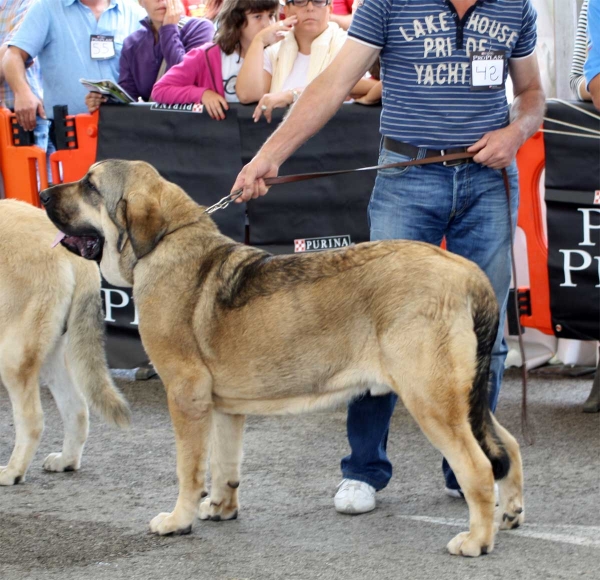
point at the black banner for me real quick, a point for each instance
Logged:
(204, 156)
(573, 219)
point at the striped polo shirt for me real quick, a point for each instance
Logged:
(426, 68)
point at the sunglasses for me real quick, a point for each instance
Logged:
(302, 3)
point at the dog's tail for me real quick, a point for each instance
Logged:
(484, 309)
(85, 355)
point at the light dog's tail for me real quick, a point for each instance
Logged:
(485, 321)
(85, 353)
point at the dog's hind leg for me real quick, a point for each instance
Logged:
(512, 508)
(225, 462)
(191, 409)
(22, 383)
(73, 410)
(443, 418)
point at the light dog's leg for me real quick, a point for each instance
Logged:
(191, 410)
(225, 461)
(24, 392)
(449, 430)
(73, 410)
(512, 508)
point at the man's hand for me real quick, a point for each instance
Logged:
(215, 104)
(94, 100)
(272, 101)
(497, 149)
(174, 12)
(251, 177)
(27, 107)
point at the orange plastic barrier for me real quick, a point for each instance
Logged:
(20, 165)
(531, 161)
(76, 160)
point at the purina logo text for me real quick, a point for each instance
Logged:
(318, 244)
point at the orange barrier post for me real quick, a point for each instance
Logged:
(531, 162)
(76, 160)
(20, 165)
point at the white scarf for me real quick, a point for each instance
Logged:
(322, 51)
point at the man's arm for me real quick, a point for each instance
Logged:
(594, 88)
(27, 105)
(317, 104)
(591, 67)
(2, 53)
(498, 149)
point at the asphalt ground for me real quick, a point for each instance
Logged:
(93, 524)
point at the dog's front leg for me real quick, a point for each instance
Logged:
(191, 410)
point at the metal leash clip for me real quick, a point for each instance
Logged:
(224, 202)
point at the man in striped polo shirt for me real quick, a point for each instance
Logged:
(443, 65)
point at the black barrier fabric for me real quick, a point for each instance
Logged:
(573, 218)
(204, 156)
(199, 154)
(324, 212)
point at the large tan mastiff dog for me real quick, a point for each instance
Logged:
(51, 331)
(233, 330)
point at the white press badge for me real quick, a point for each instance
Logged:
(102, 47)
(487, 69)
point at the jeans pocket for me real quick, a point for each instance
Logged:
(387, 157)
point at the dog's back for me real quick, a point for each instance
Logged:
(50, 326)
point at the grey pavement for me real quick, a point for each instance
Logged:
(93, 524)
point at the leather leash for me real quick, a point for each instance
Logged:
(225, 201)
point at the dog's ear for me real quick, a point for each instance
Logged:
(144, 221)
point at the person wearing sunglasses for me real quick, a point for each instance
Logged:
(279, 65)
(444, 65)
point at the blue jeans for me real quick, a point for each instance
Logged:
(467, 205)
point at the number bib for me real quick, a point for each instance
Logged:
(102, 47)
(487, 70)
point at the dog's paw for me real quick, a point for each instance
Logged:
(217, 511)
(166, 524)
(57, 462)
(9, 476)
(464, 545)
(512, 518)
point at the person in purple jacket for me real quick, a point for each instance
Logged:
(208, 74)
(162, 42)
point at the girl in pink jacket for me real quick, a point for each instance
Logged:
(208, 74)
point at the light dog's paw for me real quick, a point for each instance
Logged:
(464, 545)
(166, 524)
(56, 462)
(217, 511)
(9, 476)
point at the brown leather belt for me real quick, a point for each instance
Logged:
(413, 152)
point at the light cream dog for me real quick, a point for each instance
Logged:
(51, 328)
(233, 330)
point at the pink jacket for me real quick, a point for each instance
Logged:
(186, 82)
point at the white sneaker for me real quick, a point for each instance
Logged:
(458, 494)
(354, 497)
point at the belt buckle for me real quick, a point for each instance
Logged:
(452, 163)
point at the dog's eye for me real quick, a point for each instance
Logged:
(89, 185)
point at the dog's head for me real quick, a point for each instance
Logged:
(116, 214)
